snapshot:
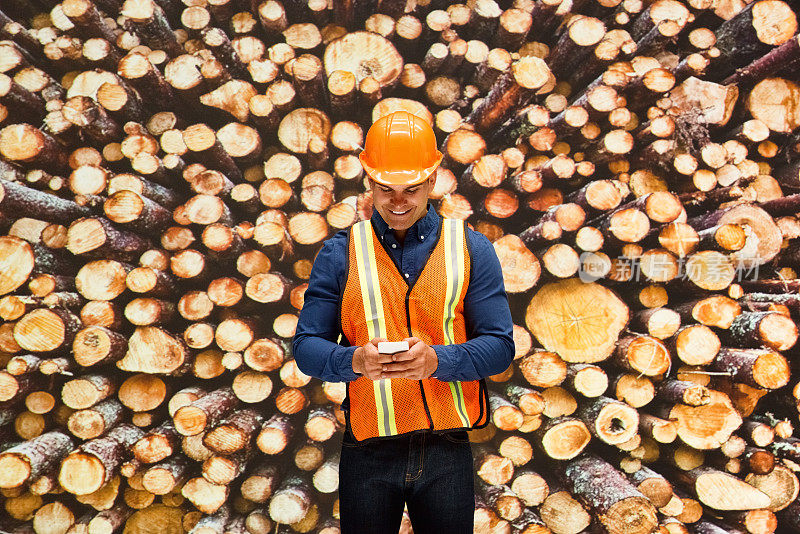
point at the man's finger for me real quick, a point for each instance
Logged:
(404, 356)
(395, 374)
(375, 370)
(412, 341)
(398, 366)
(384, 358)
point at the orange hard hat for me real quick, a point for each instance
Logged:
(400, 149)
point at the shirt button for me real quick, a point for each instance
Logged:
(406, 275)
(422, 237)
(394, 245)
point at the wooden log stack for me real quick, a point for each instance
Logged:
(169, 169)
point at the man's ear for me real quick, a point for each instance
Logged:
(433, 180)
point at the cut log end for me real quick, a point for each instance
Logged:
(190, 420)
(565, 316)
(14, 470)
(566, 440)
(81, 474)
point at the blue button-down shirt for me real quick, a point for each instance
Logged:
(490, 346)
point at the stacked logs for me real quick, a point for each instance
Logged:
(170, 169)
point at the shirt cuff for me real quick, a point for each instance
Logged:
(445, 369)
(345, 365)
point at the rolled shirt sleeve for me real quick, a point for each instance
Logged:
(315, 346)
(490, 346)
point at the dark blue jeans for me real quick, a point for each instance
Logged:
(431, 473)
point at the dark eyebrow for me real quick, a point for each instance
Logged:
(406, 190)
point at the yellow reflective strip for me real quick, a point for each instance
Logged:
(379, 411)
(373, 262)
(390, 417)
(458, 402)
(362, 278)
(461, 263)
(375, 319)
(455, 265)
(386, 419)
(447, 324)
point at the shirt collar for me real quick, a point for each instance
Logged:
(423, 226)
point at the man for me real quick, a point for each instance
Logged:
(406, 275)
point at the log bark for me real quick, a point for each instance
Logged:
(204, 412)
(92, 464)
(527, 77)
(32, 459)
(158, 444)
(619, 506)
(234, 433)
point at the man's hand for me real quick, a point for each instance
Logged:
(416, 363)
(368, 362)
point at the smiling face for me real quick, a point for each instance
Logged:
(401, 205)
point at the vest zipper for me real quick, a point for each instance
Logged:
(421, 389)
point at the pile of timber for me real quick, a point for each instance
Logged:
(170, 168)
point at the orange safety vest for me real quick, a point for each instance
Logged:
(377, 302)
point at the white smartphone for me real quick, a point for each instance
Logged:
(391, 347)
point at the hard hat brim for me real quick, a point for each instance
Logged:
(400, 177)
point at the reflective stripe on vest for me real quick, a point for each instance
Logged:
(454, 272)
(376, 321)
